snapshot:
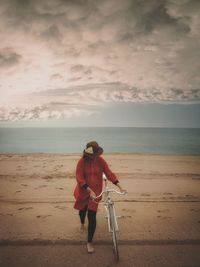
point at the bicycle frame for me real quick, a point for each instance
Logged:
(108, 202)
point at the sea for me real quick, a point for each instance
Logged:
(112, 139)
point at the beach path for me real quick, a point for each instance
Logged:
(159, 223)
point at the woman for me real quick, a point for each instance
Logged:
(89, 172)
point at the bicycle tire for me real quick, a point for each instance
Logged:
(113, 230)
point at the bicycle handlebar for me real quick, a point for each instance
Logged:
(110, 190)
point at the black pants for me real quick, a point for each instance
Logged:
(91, 221)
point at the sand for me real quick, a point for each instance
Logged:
(159, 223)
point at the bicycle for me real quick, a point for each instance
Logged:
(111, 215)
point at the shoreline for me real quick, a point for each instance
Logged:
(104, 154)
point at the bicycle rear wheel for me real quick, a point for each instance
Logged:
(113, 230)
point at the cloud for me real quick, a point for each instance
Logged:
(9, 58)
(86, 100)
(149, 45)
(90, 72)
(41, 112)
(99, 94)
(56, 76)
(78, 68)
(52, 33)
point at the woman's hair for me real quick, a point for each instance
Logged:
(88, 157)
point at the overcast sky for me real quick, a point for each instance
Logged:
(73, 61)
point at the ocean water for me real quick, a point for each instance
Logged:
(112, 139)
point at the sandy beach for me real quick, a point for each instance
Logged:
(159, 223)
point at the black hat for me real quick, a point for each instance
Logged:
(93, 149)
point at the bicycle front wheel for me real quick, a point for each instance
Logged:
(113, 230)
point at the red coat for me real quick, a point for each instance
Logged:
(90, 172)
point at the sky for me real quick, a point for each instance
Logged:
(100, 63)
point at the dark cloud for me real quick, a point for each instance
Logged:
(52, 33)
(156, 16)
(56, 76)
(91, 71)
(9, 58)
(17, 12)
(145, 17)
(125, 19)
(81, 69)
(77, 68)
(134, 16)
(74, 79)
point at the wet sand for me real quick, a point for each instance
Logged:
(159, 218)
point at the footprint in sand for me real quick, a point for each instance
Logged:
(166, 193)
(71, 176)
(43, 216)
(4, 214)
(24, 185)
(195, 210)
(48, 177)
(145, 195)
(40, 186)
(59, 166)
(164, 218)
(60, 207)
(125, 216)
(189, 195)
(26, 208)
(165, 210)
(17, 191)
(60, 188)
(128, 210)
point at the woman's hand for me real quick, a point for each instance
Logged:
(123, 191)
(91, 192)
